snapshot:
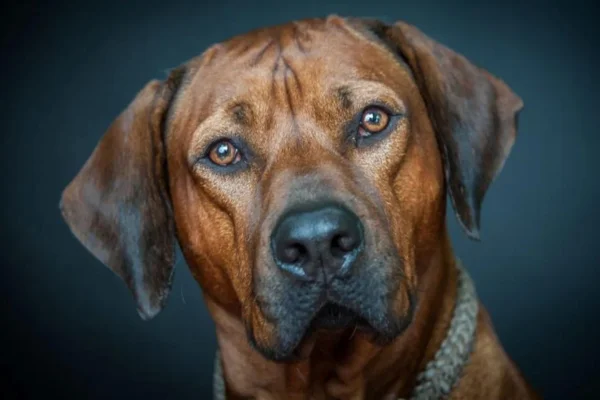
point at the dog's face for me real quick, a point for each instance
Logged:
(305, 175)
(303, 169)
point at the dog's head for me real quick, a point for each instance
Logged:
(303, 170)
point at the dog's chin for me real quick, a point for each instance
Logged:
(331, 319)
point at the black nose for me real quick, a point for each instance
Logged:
(328, 238)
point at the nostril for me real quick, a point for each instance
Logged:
(343, 244)
(293, 253)
(347, 243)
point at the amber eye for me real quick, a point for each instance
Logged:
(224, 153)
(373, 120)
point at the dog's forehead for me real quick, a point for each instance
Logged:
(318, 55)
(298, 41)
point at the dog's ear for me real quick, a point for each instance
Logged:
(118, 205)
(473, 113)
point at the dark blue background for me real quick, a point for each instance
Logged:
(70, 327)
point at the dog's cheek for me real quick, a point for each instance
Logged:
(429, 220)
(419, 190)
(207, 241)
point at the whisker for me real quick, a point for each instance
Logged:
(353, 332)
(182, 296)
(301, 375)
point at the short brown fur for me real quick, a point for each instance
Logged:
(290, 91)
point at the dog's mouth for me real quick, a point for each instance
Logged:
(334, 316)
(298, 339)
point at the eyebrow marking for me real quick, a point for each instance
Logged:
(240, 112)
(345, 96)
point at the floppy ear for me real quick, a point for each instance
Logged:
(118, 205)
(473, 113)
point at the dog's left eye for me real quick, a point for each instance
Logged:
(372, 121)
(224, 153)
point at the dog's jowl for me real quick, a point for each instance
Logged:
(303, 170)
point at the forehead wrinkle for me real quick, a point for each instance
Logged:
(296, 32)
(291, 73)
(283, 45)
(291, 79)
(261, 53)
(286, 84)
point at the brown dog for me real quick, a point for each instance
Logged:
(303, 171)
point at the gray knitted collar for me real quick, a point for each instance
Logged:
(443, 372)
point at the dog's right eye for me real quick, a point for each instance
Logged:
(373, 120)
(224, 153)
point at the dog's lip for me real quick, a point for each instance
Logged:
(333, 316)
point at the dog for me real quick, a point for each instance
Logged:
(303, 171)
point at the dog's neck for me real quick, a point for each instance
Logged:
(337, 365)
